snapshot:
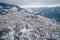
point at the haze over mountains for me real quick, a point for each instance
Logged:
(52, 12)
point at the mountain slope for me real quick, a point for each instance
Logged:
(25, 26)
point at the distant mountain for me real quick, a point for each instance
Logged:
(4, 8)
(9, 6)
(49, 12)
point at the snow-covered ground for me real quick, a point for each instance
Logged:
(24, 26)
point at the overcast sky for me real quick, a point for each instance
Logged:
(32, 2)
